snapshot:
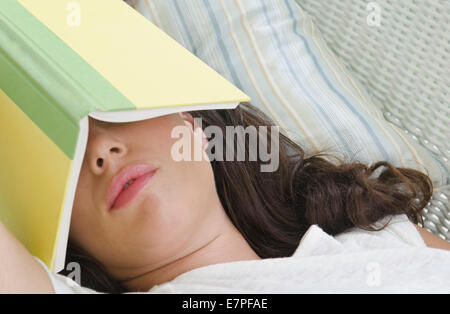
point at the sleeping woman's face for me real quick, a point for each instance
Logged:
(168, 210)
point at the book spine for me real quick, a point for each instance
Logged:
(38, 85)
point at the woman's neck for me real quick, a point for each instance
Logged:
(227, 246)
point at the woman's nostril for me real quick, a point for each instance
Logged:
(100, 162)
(114, 150)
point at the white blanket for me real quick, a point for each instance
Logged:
(394, 260)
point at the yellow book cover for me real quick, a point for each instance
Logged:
(62, 61)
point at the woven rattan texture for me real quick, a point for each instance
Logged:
(400, 51)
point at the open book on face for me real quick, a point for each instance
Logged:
(62, 61)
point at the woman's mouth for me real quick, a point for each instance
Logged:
(128, 184)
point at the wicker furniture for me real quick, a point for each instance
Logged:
(400, 51)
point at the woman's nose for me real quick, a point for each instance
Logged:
(104, 153)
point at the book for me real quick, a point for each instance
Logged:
(62, 61)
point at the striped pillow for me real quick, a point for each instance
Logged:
(272, 51)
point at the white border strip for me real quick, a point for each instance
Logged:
(63, 233)
(138, 115)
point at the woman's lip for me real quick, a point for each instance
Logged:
(127, 196)
(141, 173)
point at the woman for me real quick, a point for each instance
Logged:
(178, 224)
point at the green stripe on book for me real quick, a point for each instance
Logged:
(50, 82)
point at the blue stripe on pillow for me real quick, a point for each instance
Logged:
(186, 28)
(223, 48)
(344, 100)
(299, 84)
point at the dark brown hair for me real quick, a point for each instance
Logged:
(273, 210)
